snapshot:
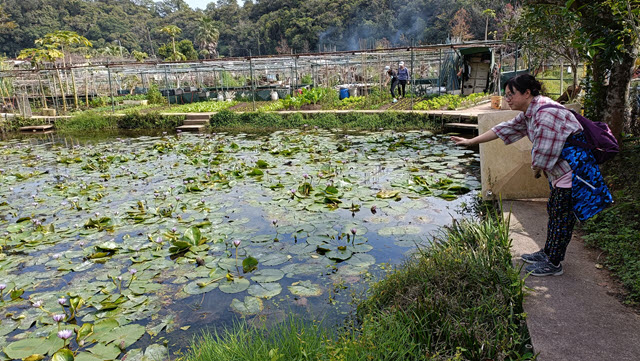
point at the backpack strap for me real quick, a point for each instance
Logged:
(571, 140)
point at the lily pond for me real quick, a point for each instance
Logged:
(130, 246)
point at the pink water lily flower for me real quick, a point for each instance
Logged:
(65, 334)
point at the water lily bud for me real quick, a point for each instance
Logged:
(236, 242)
(65, 334)
(275, 221)
(37, 304)
(58, 318)
(353, 231)
(2, 286)
(174, 229)
(62, 301)
(133, 271)
(305, 176)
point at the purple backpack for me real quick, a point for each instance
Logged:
(600, 140)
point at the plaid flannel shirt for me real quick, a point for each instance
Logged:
(547, 129)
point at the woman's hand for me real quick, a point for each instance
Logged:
(461, 141)
(487, 136)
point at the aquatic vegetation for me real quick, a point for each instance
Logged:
(130, 231)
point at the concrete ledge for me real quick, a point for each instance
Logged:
(506, 170)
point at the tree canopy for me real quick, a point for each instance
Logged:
(227, 28)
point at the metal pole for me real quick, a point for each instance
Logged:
(515, 68)
(166, 84)
(562, 77)
(113, 107)
(500, 75)
(295, 64)
(439, 70)
(253, 90)
(411, 75)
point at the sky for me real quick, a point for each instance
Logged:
(202, 4)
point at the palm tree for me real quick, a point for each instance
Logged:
(38, 56)
(172, 31)
(60, 39)
(207, 37)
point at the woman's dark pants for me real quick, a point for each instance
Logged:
(561, 222)
(403, 83)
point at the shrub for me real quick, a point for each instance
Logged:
(223, 118)
(152, 120)
(85, 121)
(154, 96)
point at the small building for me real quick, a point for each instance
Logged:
(476, 68)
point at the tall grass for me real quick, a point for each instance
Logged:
(460, 299)
(290, 340)
(226, 119)
(87, 121)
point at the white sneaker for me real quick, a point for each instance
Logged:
(395, 100)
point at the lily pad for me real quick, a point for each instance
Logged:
(236, 286)
(250, 305)
(32, 346)
(105, 352)
(273, 259)
(265, 290)
(156, 352)
(199, 286)
(305, 289)
(361, 260)
(127, 334)
(267, 275)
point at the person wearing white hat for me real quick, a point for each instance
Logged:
(394, 81)
(403, 78)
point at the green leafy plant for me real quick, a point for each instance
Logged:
(191, 238)
(154, 96)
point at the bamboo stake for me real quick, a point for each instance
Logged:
(64, 100)
(75, 90)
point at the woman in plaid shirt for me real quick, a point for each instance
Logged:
(577, 187)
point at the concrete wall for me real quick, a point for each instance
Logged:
(506, 170)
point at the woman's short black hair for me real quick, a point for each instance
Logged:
(524, 82)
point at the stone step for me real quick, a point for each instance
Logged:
(196, 122)
(461, 125)
(191, 116)
(192, 128)
(37, 128)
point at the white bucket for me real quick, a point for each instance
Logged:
(274, 95)
(220, 97)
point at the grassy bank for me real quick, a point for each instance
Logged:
(227, 120)
(458, 300)
(262, 120)
(616, 230)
